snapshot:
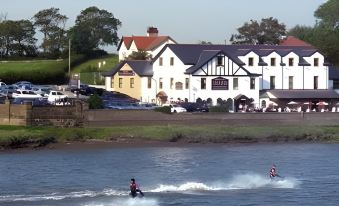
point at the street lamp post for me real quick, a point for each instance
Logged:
(69, 58)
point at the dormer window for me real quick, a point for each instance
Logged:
(316, 62)
(290, 62)
(220, 61)
(250, 61)
(273, 62)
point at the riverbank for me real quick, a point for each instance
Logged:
(15, 137)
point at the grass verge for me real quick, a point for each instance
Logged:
(12, 137)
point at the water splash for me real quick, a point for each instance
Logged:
(253, 181)
(190, 186)
(126, 202)
(247, 181)
(60, 196)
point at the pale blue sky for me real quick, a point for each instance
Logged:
(186, 21)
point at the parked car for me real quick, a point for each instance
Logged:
(8, 90)
(195, 107)
(87, 90)
(2, 84)
(175, 108)
(54, 96)
(24, 85)
(40, 90)
(25, 94)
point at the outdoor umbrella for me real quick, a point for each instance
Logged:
(322, 103)
(292, 102)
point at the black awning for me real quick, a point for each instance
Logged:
(241, 97)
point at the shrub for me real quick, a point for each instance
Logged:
(95, 102)
(165, 109)
(222, 108)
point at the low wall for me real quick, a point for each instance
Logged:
(12, 114)
(59, 116)
(125, 117)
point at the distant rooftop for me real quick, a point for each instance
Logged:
(293, 41)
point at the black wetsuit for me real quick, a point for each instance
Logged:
(135, 190)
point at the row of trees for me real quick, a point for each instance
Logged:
(93, 28)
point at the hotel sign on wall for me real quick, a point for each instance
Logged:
(219, 84)
(126, 73)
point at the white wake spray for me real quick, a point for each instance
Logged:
(246, 181)
(126, 202)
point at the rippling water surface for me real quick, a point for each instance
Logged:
(193, 175)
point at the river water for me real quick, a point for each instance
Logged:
(186, 175)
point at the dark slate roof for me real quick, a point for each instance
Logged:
(204, 57)
(333, 73)
(189, 54)
(141, 67)
(304, 94)
(207, 55)
(262, 62)
(303, 62)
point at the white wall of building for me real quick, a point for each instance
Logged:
(302, 76)
(166, 72)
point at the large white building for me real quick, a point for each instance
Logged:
(256, 75)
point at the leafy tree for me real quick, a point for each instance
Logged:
(268, 31)
(17, 38)
(94, 28)
(52, 25)
(325, 34)
(205, 42)
(139, 55)
(328, 13)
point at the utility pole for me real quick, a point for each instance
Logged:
(69, 58)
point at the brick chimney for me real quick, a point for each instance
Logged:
(152, 31)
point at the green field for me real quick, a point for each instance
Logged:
(92, 65)
(39, 71)
(54, 71)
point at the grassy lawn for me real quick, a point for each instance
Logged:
(54, 71)
(32, 66)
(16, 136)
(40, 71)
(92, 65)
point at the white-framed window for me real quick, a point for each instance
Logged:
(160, 61)
(160, 83)
(172, 61)
(290, 62)
(250, 61)
(131, 82)
(235, 83)
(273, 62)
